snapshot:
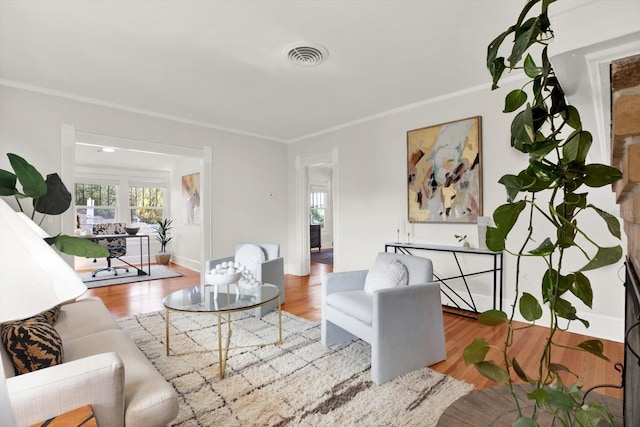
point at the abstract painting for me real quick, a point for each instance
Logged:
(191, 198)
(444, 172)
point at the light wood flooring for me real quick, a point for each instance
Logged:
(303, 299)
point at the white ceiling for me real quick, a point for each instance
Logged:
(220, 63)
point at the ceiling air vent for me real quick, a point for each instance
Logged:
(306, 54)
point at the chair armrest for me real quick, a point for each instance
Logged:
(343, 281)
(395, 309)
(211, 264)
(94, 380)
(272, 271)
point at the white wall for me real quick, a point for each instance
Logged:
(373, 190)
(245, 170)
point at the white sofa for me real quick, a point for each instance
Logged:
(101, 367)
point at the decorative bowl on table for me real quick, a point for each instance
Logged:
(132, 231)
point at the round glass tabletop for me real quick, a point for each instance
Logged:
(205, 299)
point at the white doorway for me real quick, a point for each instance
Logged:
(306, 169)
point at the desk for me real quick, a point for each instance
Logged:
(461, 302)
(141, 272)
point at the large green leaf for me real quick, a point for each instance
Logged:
(80, 247)
(524, 38)
(525, 422)
(57, 199)
(599, 175)
(495, 239)
(492, 317)
(520, 372)
(505, 216)
(559, 400)
(577, 147)
(475, 352)
(32, 182)
(613, 224)
(529, 307)
(530, 68)
(581, 288)
(489, 369)
(8, 182)
(545, 248)
(594, 347)
(572, 117)
(512, 184)
(522, 129)
(591, 415)
(565, 309)
(514, 100)
(604, 256)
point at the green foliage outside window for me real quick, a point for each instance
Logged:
(317, 216)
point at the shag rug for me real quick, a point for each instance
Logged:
(299, 383)
(106, 278)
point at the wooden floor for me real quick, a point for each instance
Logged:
(303, 299)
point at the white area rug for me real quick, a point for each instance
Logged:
(297, 383)
(106, 278)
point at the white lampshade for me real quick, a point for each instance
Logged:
(33, 276)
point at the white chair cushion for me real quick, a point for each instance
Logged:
(251, 256)
(357, 304)
(385, 275)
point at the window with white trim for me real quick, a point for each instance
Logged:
(95, 204)
(318, 208)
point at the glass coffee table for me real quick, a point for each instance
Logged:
(201, 299)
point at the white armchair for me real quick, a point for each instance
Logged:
(403, 324)
(266, 266)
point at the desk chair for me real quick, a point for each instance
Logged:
(117, 246)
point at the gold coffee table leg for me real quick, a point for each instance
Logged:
(223, 352)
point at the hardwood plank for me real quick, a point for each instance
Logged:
(303, 298)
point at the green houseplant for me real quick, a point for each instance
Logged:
(49, 197)
(548, 197)
(164, 227)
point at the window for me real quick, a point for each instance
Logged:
(318, 208)
(96, 204)
(146, 204)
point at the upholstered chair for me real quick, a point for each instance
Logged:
(394, 306)
(265, 264)
(117, 246)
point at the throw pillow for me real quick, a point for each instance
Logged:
(32, 344)
(251, 256)
(52, 314)
(385, 275)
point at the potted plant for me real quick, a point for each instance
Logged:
(548, 197)
(164, 226)
(49, 197)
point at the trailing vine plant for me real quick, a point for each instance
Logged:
(550, 192)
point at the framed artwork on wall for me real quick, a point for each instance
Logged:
(191, 198)
(444, 171)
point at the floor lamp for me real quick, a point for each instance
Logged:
(33, 278)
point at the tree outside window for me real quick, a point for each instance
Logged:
(95, 204)
(318, 208)
(146, 204)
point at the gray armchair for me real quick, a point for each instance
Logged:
(402, 324)
(270, 270)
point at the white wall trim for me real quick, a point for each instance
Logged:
(301, 261)
(123, 107)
